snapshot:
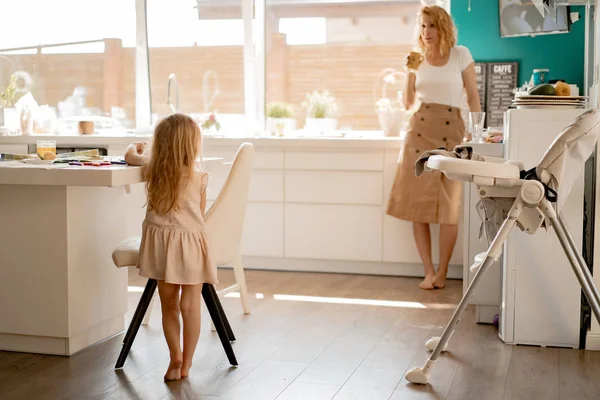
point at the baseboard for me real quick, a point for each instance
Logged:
(33, 344)
(592, 341)
(95, 334)
(343, 267)
(61, 346)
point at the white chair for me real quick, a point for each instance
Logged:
(528, 199)
(224, 222)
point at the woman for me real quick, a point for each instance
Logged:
(436, 80)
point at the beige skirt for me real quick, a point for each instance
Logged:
(432, 197)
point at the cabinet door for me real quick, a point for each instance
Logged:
(263, 230)
(333, 232)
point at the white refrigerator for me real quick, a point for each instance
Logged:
(541, 297)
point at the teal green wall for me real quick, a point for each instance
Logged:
(479, 30)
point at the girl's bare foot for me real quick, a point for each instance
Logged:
(427, 283)
(185, 369)
(439, 281)
(174, 370)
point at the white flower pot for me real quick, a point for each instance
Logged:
(9, 118)
(280, 126)
(391, 121)
(321, 126)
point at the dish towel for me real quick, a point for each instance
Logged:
(463, 151)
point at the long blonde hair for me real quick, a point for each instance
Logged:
(444, 23)
(174, 150)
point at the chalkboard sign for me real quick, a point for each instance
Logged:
(501, 82)
(481, 72)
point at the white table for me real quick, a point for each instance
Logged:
(59, 290)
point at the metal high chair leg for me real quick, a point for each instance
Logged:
(420, 375)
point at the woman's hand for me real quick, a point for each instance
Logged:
(413, 61)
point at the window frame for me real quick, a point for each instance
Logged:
(254, 61)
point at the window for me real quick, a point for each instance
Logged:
(73, 57)
(331, 59)
(197, 62)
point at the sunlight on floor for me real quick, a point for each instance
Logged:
(338, 300)
(332, 300)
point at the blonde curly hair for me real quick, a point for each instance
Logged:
(445, 25)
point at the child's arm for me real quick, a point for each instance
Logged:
(134, 155)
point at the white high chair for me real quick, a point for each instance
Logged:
(527, 199)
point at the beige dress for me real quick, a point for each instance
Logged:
(430, 197)
(175, 247)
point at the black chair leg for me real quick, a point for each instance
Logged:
(140, 311)
(217, 318)
(138, 317)
(214, 294)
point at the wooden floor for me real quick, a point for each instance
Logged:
(316, 336)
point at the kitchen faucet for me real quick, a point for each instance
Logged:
(173, 78)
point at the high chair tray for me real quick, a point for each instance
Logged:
(467, 169)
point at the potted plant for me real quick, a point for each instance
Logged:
(210, 125)
(280, 118)
(321, 109)
(8, 98)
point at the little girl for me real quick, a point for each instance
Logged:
(174, 249)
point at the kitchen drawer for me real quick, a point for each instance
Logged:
(263, 159)
(347, 160)
(334, 187)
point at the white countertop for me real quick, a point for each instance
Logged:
(18, 173)
(349, 141)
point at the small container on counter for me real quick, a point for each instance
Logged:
(86, 127)
(541, 76)
(46, 146)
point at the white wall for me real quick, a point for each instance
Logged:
(393, 29)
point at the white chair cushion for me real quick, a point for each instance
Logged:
(468, 170)
(127, 252)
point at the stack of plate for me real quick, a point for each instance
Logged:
(538, 101)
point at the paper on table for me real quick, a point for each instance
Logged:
(19, 164)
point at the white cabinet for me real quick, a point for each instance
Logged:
(541, 298)
(323, 209)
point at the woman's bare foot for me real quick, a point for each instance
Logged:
(185, 369)
(174, 370)
(427, 283)
(439, 281)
